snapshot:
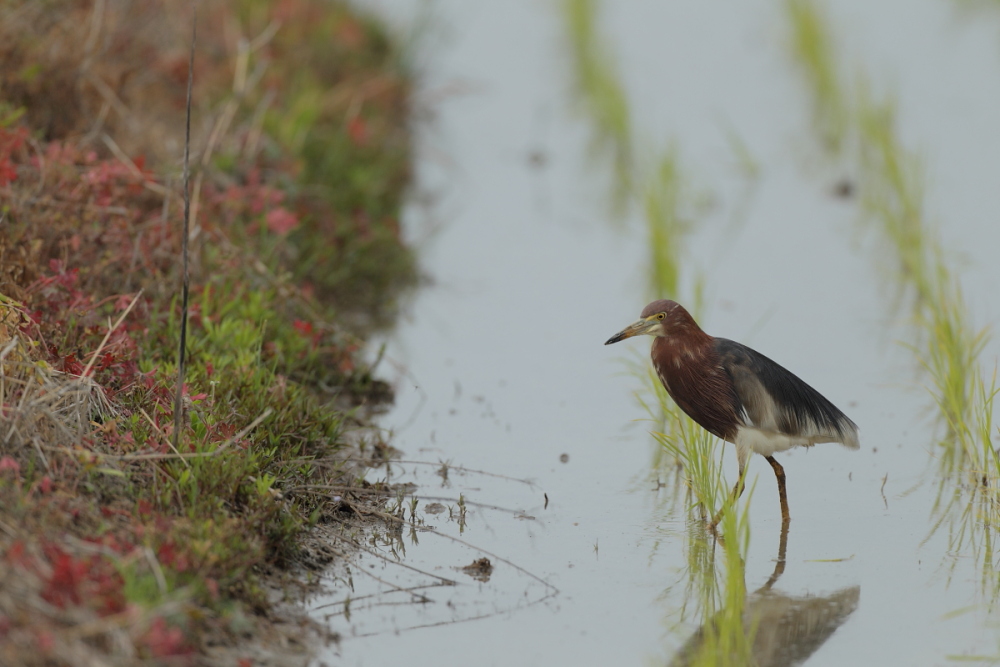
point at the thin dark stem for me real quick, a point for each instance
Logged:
(181, 356)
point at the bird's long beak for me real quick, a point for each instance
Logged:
(635, 329)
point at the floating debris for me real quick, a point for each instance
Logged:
(480, 569)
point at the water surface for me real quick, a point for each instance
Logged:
(500, 364)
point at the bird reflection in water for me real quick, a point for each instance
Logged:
(778, 630)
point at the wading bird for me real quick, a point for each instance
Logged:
(736, 393)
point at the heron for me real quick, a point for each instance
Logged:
(736, 393)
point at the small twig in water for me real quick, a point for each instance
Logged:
(388, 517)
(448, 467)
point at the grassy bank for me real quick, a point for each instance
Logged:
(115, 548)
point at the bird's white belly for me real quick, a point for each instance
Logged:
(766, 443)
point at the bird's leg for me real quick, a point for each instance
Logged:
(779, 473)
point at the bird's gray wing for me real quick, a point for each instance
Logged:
(773, 398)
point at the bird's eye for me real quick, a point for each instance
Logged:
(660, 316)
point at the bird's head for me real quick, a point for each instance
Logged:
(660, 318)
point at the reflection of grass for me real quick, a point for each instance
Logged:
(947, 345)
(718, 594)
(725, 633)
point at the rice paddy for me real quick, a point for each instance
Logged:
(654, 185)
(573, 172)
(945, 342)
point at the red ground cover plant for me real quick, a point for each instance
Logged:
(118, 548)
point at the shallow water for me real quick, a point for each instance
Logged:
(500, 364)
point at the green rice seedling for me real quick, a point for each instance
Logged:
(968, 5)
(685, 450)
(813, 51)
(968, 499)
(718, 593)
(694, 452)
(697, 453)
(665, 228)
(892, 197)
(662, 199)
(951, 358)
(947, 345)
(602, 96)
(748, 165)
